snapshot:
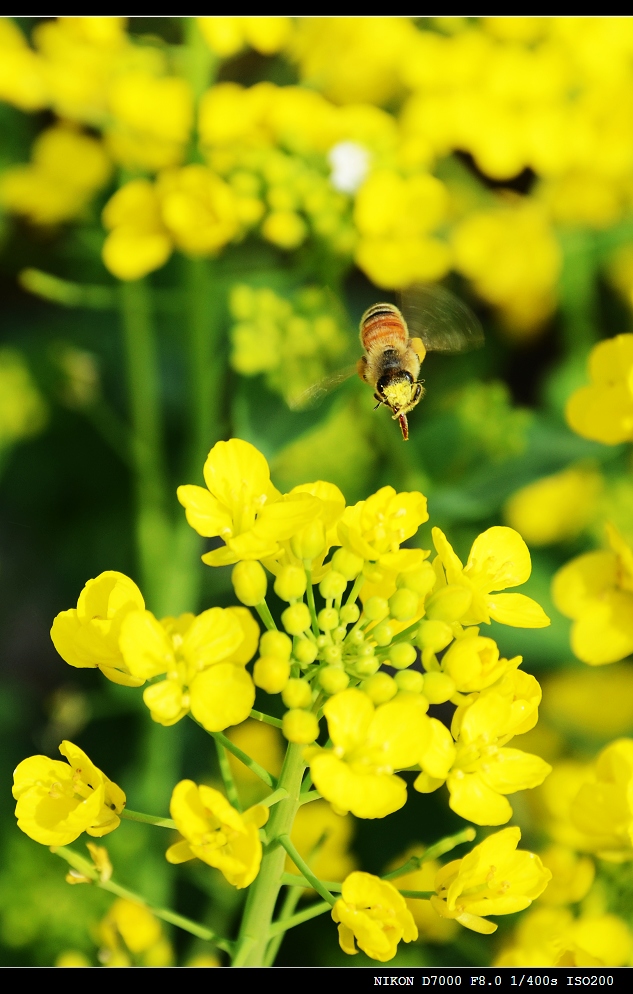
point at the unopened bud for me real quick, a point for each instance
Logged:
(333, 654)
(376, 608)
(382, 633)
(305, 652)
(332, 585)
(301, 727)
(310, 542)
(327, 619)
(410, 681)
(438, 687)
(367, 665)
(333, 679)
(434, 635)
(339, 633)
(275, 644)
(290, 584)
(249, 582)
(347, 563)
(296, 618)
(297, 694)
(403, 605)
(271, 674)
(380, 687)
(349, 614)
(421, 580)
(402, 655)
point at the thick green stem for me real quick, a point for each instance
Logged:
(298, 919)
(287, 910)
(264, 891)
(152, 522)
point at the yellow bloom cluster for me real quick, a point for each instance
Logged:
(372, 912)
(293, 342)
(129, 934)
(58, 801)
(202, 660)
(604, 410)
(553, 937)
(377, 722)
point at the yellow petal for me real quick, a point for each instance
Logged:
(517, 610)
(349, 715)
(584, 580)
(221, 696)
(214, 635)
(499, 558)
(236, 472)
(250, 630)
(475, 801)
(346, 939)
(146, 649)
(437, 757)
(365, 795)
(400, 731)
(64, 635)
(180, 852)
(604, 634)
(165, 701)
(204, 512)
(511, 770)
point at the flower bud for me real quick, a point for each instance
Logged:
(402, 655)
(403, 605)
(296, 618)
(290, 585)
(333, 679)
(310, 541)
(339, 633)
(332, 585)
(327, 619)
(301, 727)
(349, 614)
(376, 608)
(438, 687)
(372, 572)
(367, 665)
(421, 581)
(333, 654)
(448, 603)
(347, 563)
(297, 694)
(322, 641)
(382, 633)
(275, 644)
(306, 652)
(357, 637)
(434, 635)
(249, 582)
(473, 663)
(365, 649)
(410, 681)
(271, 674)
(380, 687)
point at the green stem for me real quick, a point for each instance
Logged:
(438, 849)
(303, 916)
(147, 819)
(358, 582)
(310, 593)
(153, 526)
(308, 796)
(268, 719)
(287, 909)
(258, 770)
(264, 890)
(300, 863)
(88, 869)
(227, 776)
(264, 612)
(279, 795)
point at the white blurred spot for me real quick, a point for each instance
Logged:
(350, 164)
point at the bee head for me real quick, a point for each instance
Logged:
(399, 392)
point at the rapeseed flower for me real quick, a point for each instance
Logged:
(88, 636)
(58, 801)
(596, 591)
(603, 806)
(375, 528)
(498, 559)
(242, 506)
(22, 74)
(216, 833)
(372, 912)
(556, 508)
(131, 927)
(225, 36)
(369, 744)
(431, 927)
(494, 879)
(323, 838)
(553, 937)
(203, 662)
(152, 119)
(603, 411)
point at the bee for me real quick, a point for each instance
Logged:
(393, 357)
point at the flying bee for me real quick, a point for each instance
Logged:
(393, 356)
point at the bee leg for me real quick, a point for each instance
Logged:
(361, 368)
(380, 401)
(418, 347)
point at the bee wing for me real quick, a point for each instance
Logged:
(315, 394)
(440, 319)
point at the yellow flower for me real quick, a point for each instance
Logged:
(140, 932)
(493, 879)
(572, 875)
(473, 663)
(369, 743)
(66, 170)
(22, 73)
(22, 408)
(603, 807)
(604, 410)
(499, 558)
(198, 208)
(555, 508)
(242, 506)
(58, 801)
(323, 837)
(431, 927)
(596, 591)
(203, 659)
(88, 636)
(375, 528)
(551, 937)
(216, 833)
(152, 119)
(314, 541)
(227, 35)
(372, 912)
(138, 242)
